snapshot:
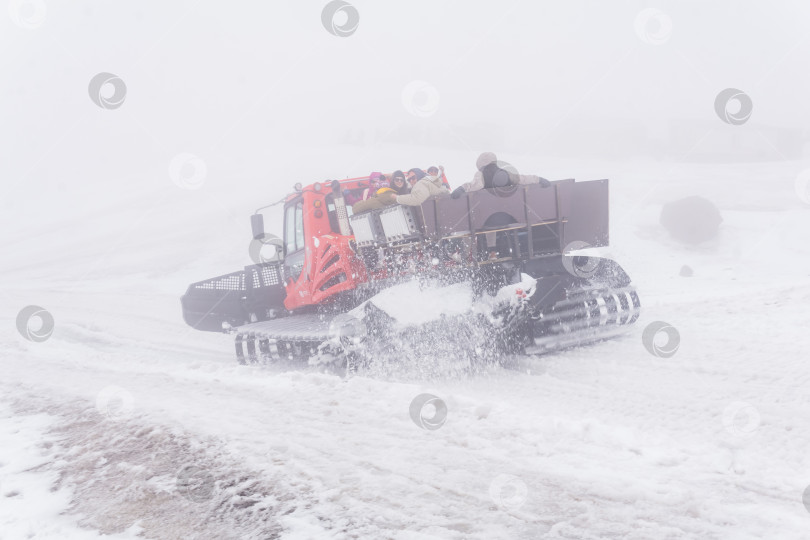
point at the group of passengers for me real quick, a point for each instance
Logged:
(411, 189)
(415, 187)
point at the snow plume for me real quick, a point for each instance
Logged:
(425, 329)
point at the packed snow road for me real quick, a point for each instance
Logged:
(142, 427)
(602, 441)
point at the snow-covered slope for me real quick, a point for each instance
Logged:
(124, 402)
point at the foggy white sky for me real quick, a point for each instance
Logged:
(237, 83)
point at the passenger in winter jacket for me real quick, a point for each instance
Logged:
(414, 175)
(384, 197)
(493, 174)
(427, 187)
(376, 181)
(399, 184)
(434, 171)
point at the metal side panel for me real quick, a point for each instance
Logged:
(367, 229)
(541, 203)
(588, 219)
(564, 194)
(207, 304)
(493, 207)
(400, 223)
(430, 225)
(445, 216)
(264, 291)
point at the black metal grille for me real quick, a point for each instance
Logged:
(270, 275)
(228, 282)
(265, 275)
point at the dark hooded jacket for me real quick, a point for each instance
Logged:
(493, 173)
(404, 189)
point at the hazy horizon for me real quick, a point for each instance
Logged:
(243, 85)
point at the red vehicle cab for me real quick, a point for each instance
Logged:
(319, 261)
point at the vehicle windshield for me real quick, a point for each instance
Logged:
(294, 227)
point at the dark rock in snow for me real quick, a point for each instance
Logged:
(691, 220)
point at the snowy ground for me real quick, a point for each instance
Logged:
(102, 422)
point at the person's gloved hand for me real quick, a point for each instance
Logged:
(543, 182)
(458, 192)
(389, 196)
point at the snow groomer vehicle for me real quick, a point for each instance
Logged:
(518, 247)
